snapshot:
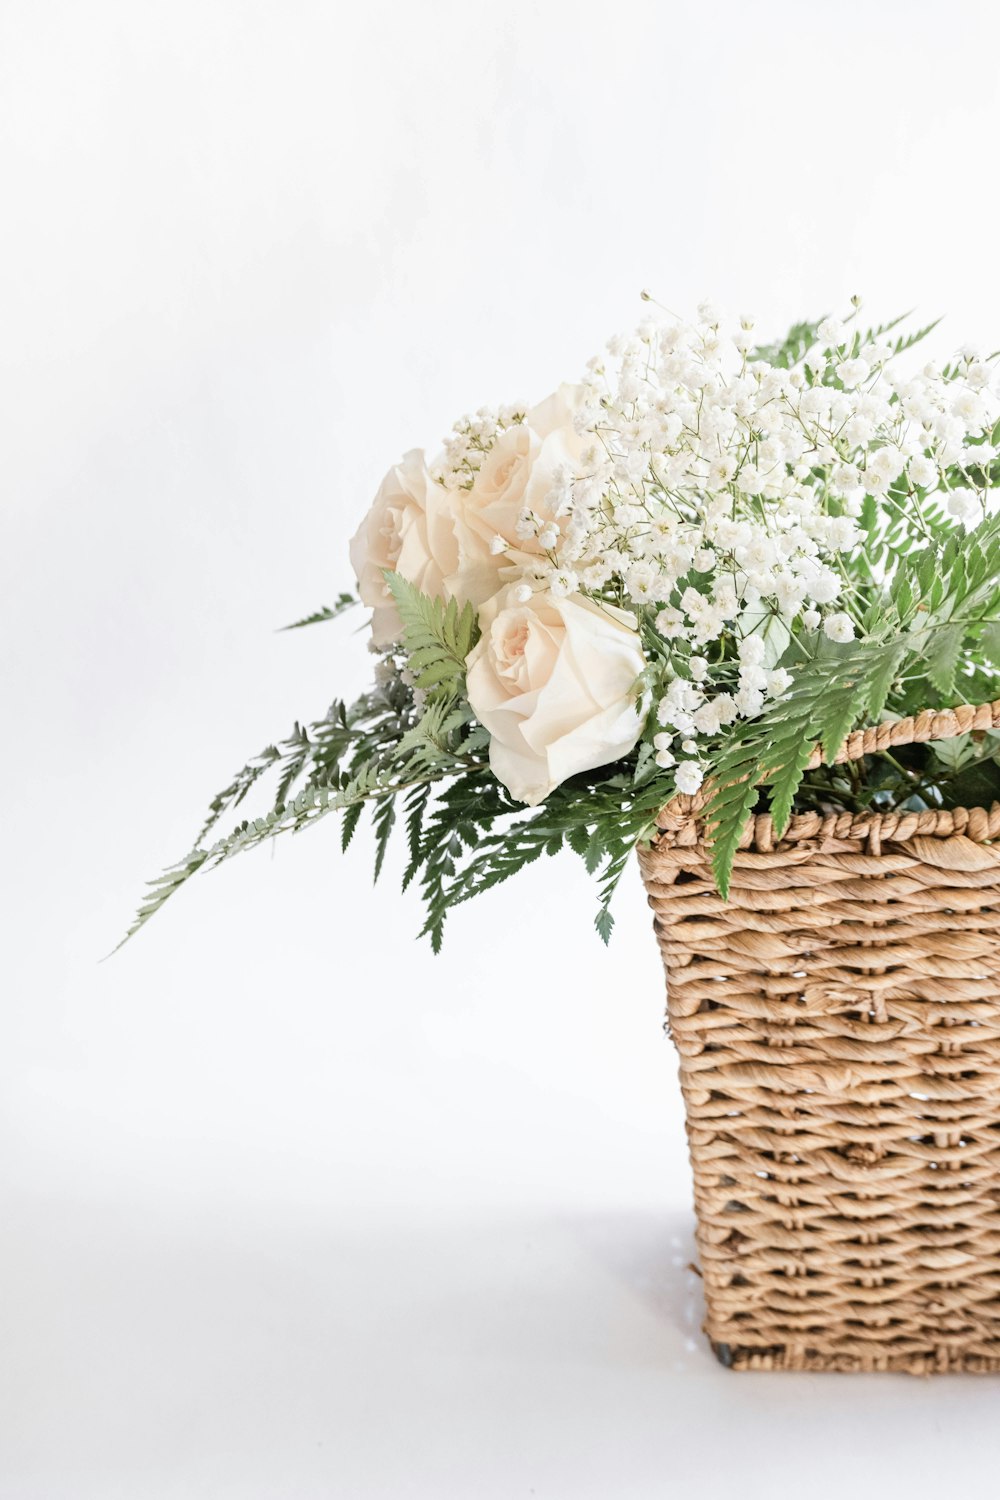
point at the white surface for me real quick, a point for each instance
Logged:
(291, 1208)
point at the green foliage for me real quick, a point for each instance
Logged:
(159, 890)
(909, 340)
(384, 746)
(475, 836)
(903, 341)
(790, 350)
(437, 637)
(965, 771)
(332, 611)
(936, 605)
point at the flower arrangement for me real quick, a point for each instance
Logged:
(671, 578)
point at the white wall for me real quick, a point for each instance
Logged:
(267, 1167)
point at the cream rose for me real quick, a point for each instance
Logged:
(410, 529)
(519, 473)
(554, 683)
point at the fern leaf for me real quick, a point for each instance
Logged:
(416, 808)
(349, 824)
(942, 659)
(989, 642)
(162, 888)
(437, 636)
(881, 679)
(342, 603)
(237, 790)
(383, 819)
(907, 340)
(734, 796)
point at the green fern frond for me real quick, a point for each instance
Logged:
(789, 351)
(340, 605)
(882, 329)
(162, 888)
(437, 636)
(431, 741)
(938, 600)
(238, 789)
(383, 820)
(908, 340)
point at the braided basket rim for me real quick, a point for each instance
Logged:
(679, 821)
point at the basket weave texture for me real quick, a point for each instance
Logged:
(838, 1025)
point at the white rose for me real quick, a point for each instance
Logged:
(526, 464)
(409, 529)
(553, 681)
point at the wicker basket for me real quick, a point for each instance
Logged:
(838, 1025)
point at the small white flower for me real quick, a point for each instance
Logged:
(970, 406)
(963, 503)
(706, 720)
(670, 623)
(823, 586)
(789, 593)
(699, 668)
(685, 695)
(978, 375)
(888, 462)
(689, 747)
(563, 583)
(858, 430)
(662, 741)
(751, 650)
(752, 676)
(725, 707)
(831, 331)
(522, 592)
(841, 534)
(688, 777)
(845, 479)
(499, 544)
(922, 471)
(643, 582)
(721, 470)
(811, 619)
(839, 627)
(665, 759)
(778, 682)
(852, 372)
(749, 702)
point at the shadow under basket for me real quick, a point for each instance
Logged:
(838, 1026)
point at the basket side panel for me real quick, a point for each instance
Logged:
(838, 1026)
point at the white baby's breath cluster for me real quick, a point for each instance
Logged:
(719, 497)
(468, 443)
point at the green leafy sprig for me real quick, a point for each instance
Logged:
(940, 603)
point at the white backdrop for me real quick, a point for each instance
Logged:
(290, 1207)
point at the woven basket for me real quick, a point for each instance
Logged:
(838, 1025)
